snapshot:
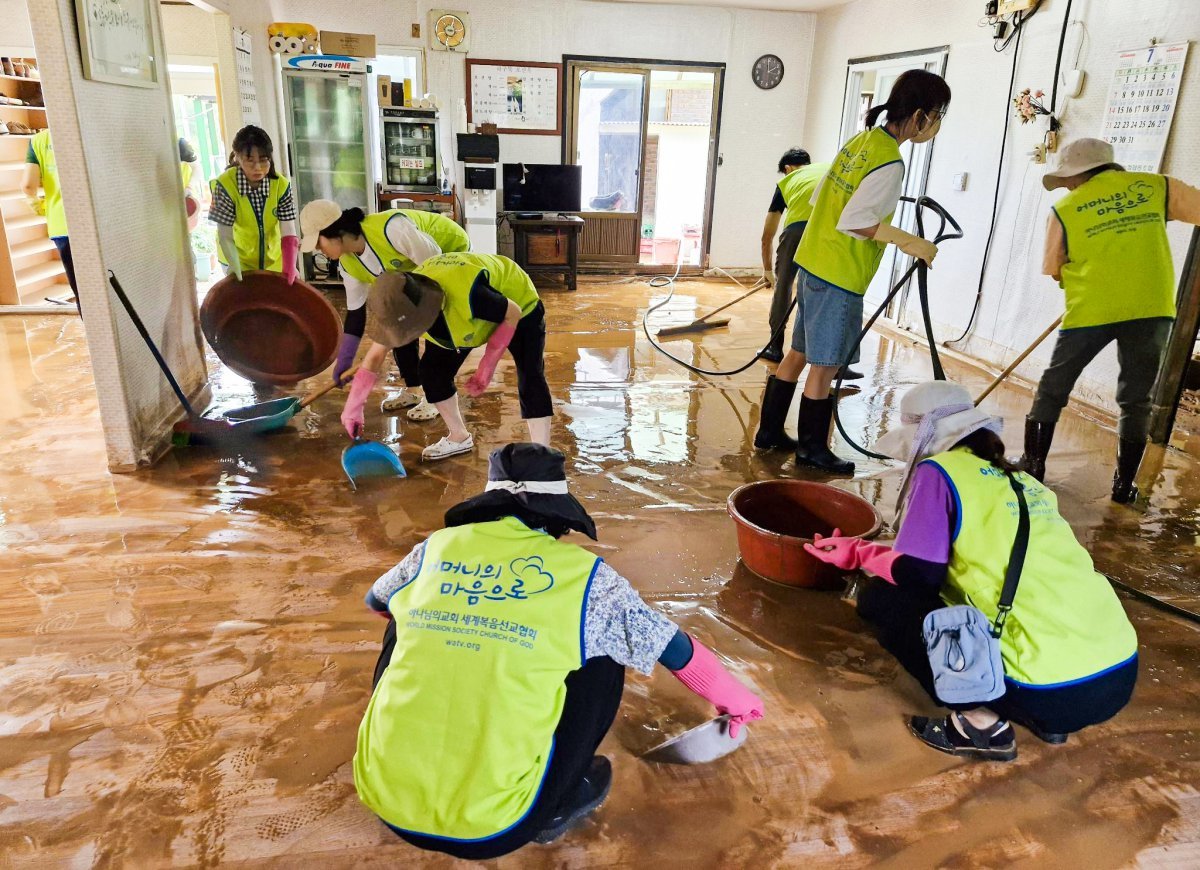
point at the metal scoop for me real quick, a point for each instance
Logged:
(699, 745)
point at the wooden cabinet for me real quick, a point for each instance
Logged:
(29, 266)
(549, 246)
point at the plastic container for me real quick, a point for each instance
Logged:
(776, 518)
(269, 332)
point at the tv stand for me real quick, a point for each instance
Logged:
(548, 245)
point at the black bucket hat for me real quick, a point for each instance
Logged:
(527, 481)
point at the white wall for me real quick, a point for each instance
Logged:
(17, 36)
(119, 165)
(1018, 302)
(189, 32)
(757, 126)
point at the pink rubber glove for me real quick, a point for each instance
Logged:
(291, 250)
(353, 417)
(850, 554)
(479, 381)
(708, 678)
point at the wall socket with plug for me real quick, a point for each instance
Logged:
(1039, 152)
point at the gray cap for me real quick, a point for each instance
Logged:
(402, 307)
(1082, 155)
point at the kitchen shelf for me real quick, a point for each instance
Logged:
(20, 79)
(23, 108)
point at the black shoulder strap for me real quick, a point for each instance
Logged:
(1016, 561)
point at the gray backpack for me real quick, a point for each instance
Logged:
(963, 646)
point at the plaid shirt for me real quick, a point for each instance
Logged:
(224, 212)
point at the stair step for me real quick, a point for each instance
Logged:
(40, 272)
(29, 249)
(24, 222)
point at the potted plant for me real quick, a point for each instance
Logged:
(204, 251)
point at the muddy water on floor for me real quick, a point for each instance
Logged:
(187, 653)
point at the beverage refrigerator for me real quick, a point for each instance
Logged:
(409, 146)
(326, 108)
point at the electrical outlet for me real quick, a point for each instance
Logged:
(416, 30)
(959, 181)
(1052, 141)
(1008, 7)
(1039, 153)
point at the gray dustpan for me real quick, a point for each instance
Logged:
(699, 745)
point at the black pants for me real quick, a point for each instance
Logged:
(785, 274)
(439, 366)
(408, 361)
(63, 243)
(897, 614)
(593, 696)
(1140, 346)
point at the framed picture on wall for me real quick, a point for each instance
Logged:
(516, 96)
(116, 41)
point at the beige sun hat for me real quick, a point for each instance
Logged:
(402, 306)
(934, 416)
(1082, 155)
(314, 217)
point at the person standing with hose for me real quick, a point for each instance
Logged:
(365, 247)
(460, 302)
(1109, 220)
(838, 256)
(253, 209)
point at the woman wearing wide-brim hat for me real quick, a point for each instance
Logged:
(502, 669)
(460, 302)
(1068, 649)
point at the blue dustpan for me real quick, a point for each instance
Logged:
(370, 459)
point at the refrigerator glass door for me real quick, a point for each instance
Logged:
(410, 154)
(329, 151)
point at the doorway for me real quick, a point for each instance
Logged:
(645, 133)
(868, 82)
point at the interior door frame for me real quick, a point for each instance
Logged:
(649, 65)
(933, 59)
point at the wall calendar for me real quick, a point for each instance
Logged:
(1141, 104)
(516, 96)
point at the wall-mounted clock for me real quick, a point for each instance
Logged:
(767, 72)
(448, 30)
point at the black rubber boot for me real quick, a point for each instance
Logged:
(1129, 457)
(777, 398)
(773, 352)
(813, 429)
(587, 797)
(1038, 437)
(848, 374)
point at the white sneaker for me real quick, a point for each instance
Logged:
(446, 448)
(406, 398)
(422, 412)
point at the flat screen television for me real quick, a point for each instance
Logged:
(542, 187)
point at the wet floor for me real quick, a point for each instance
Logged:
(186, 654)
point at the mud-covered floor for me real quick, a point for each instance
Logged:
(184, 653)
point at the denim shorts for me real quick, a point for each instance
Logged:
(828, 320)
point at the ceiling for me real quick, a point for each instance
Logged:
(773, 5)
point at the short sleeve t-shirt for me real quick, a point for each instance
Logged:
(777, 203)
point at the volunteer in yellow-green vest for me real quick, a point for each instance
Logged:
(365, 247)
(42, 192)
(1106, 245)
(253, 209)
(460, 302)
(791, 205)
(502, 669)
(1068, 649)
(837, 258)
(189, 173)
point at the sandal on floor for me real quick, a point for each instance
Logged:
(997, 743)
(404, 399)
(446, 448)
(422, 412)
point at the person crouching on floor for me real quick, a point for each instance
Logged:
(502, 669)
(1068, 649)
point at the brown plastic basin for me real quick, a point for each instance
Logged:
(776, 518)
(269, 332)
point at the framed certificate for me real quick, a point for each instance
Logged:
(516, 96)
(116, 41)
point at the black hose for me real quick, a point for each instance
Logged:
(1166, 606)
(1062, 39)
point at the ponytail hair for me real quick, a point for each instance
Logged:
(349, 224)
(249, 139)
(915, 90)
(987, 445)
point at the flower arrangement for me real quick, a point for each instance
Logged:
(1029, 105)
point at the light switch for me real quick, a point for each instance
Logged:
(959, 181)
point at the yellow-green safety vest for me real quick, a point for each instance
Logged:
(1119, 258)
(449, 236)
(1066, 624)
(185, 172)
(825, 251)
(797, 188)
(258, 241)
(56, 215)
(459, 732)
(456, 273)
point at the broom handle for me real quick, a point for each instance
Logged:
(728, 304)
(1020, 359)
(316, 394)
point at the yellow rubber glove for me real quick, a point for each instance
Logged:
(914, 246)
(38, 204)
